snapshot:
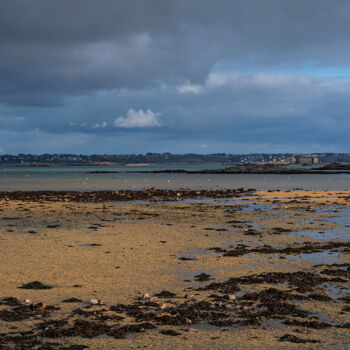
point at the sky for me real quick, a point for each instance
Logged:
(180, 76)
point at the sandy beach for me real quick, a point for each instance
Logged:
(260, 270)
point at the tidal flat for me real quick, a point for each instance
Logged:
(239, 270)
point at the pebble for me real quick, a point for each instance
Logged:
(192, 330)
(231, 297)
(163, 306)
(190, 297)
(95, 302)
(146, 296)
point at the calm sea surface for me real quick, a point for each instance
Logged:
(79, 178)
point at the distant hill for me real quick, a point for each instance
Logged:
(161, 158)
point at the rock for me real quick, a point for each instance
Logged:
(187, 258)
(192, 330)
(169, 332)
(146, 296)
(163, 306)
(37, 306)
(71, 300)
(95, 302)
(293, 339)
(165, 294)
(202, 277)
(231, 297)
(188, 321)
(190, 297)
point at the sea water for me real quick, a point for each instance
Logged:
(80, 178)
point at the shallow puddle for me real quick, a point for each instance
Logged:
(334, 291)
(273, 324)
(329, 234)
(325, 257)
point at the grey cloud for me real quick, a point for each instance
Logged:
(70, 68)
(52, 49)
(231, 108)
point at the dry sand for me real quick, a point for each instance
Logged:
(136, 249)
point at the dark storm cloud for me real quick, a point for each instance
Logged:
(55, 48)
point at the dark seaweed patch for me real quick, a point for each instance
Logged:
(165, 294)
(293, 339)
(170, 332)
(35, 285)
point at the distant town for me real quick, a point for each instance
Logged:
(169, 158)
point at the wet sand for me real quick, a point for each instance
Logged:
(273, 272)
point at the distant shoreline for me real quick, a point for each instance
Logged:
(99, 164)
